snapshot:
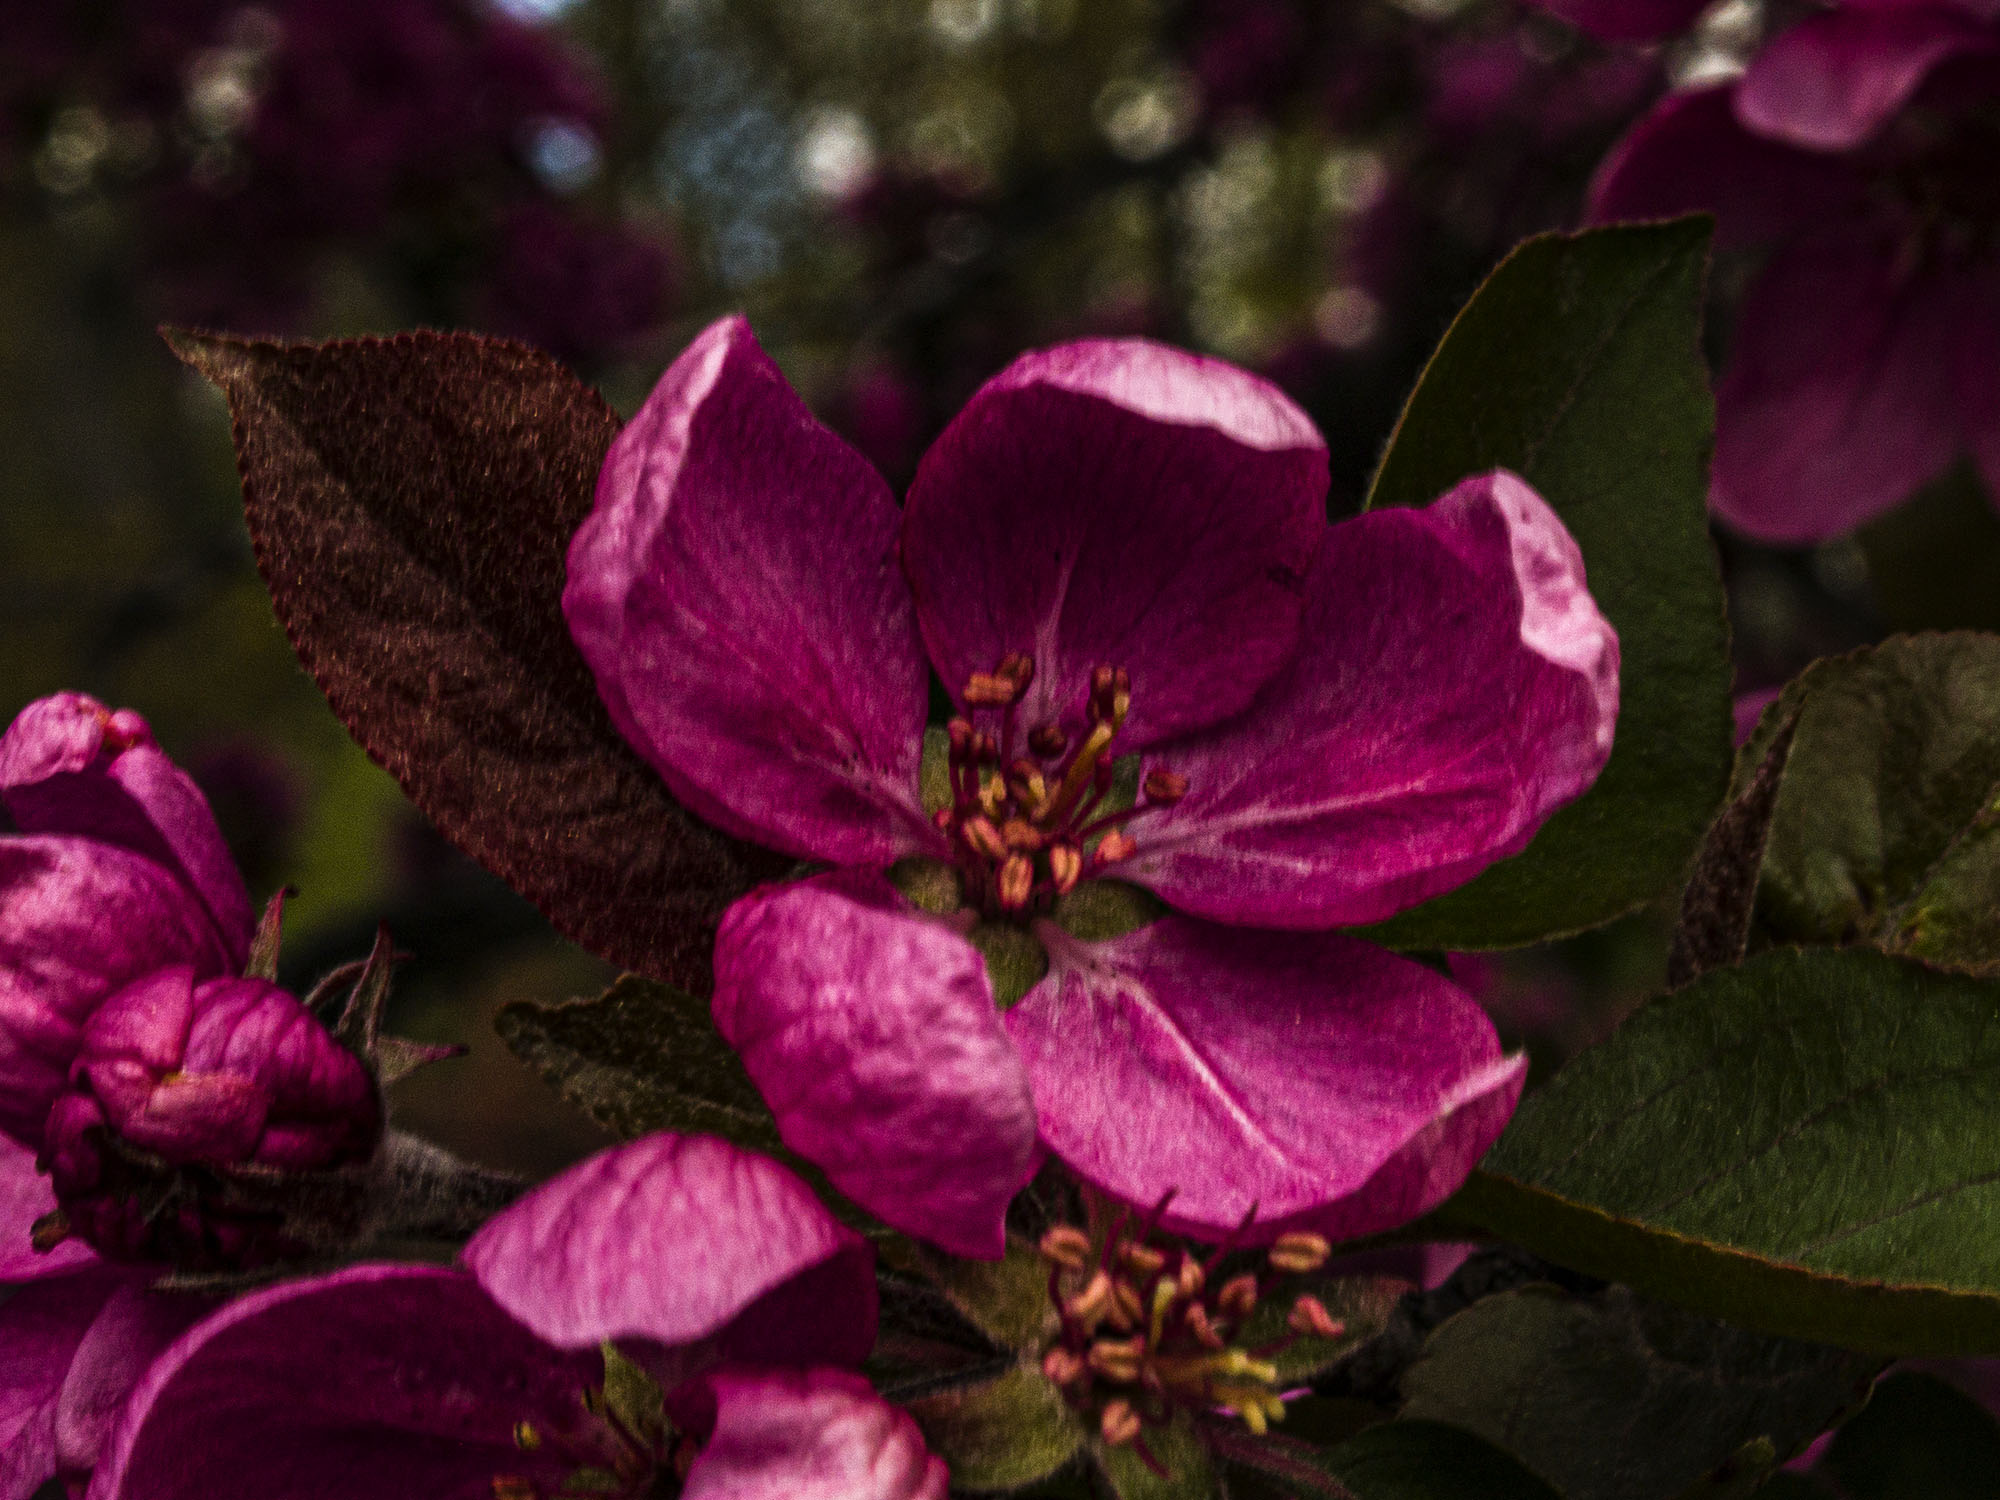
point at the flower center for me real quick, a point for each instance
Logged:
(1027, 817)
(620, 1446)
(1147, 1331)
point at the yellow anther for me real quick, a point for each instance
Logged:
(1019, 834)
(1077, 778)
(1088, 1305)
(1299, 1253)
(1114, 846)
(1141, 1260)
(990, 690)
(1031, 789)
(1067, 1246)
(1309, 1316)
(1117, 1359)
(1165, 1294)
(1126, 1309)
(984, 838)
(1190, 1276)
(1016, 882)
(1065, 867)
(1164, 787)
(1203, 1330)
(1064, 1367)
(526, 1438)
(992, 796)
(1119, 1422)
(1238, 1296)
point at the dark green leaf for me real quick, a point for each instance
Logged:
(412, 500)
(1000, 1435)
(1609, 1397)
(1006, 1299)
(1887, 830)
(1393, 1461)
(1175, 1448)
(641, 1057)
(1362, 1304)
(1934, 563)
(1918, 1439)
(1578, 366)
(1808, 1144)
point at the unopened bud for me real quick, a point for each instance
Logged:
(1016, 882)
(1299, 1253)
(1064, 1367)
(1164, 788)
(1309, 1316)
(1089, 1304)
(984, 838)
(1116, 1359)
(1238, 1296)
(1047, 740)
(1067, 1246)
(1119, 1423)
(1114, 846)
(1141, 1260)
(1065, 867)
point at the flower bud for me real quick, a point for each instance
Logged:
(193, 1111)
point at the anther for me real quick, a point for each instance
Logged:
(990, 690)
(960, 734)
(49, 1231)
(1018, 668)
(1203, 1329)
(1030, 788)
(1127, 1310)
(1141, 1260)
(1190, 1276)
(1067, 1246)
(1114, 846)
(1116, 1359)
(1016, 882)
(1119, 1423)
(1047, 740)
(1164, 788)
(1065, 867)
(1299, 1253)
(1088, 1305)
(1309, 1316)
(1064, 1367)
(1238, 1296)
(526, 1438)
(512, 1487)
(984, 838)
(1020, 835)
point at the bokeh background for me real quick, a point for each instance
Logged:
(902, 194)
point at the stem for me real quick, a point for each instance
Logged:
(422, 1191)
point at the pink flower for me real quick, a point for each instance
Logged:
(714, 1269)
(113, 867)
(1859, 149)
(1116, 550)
(187, 1103)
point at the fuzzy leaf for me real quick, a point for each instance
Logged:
(1578, 365)
(1185, 1470)
(411, 500)
(1409, 1460)
(1887, 830)
(1807, 1145)
(1362, 1303)
(641, 1057)
(1609, 1397)
(1000, 1435)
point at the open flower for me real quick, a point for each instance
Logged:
(1166, 668)
(112, 867)
(190, 1106)
(733, 1298)
(1858, 149)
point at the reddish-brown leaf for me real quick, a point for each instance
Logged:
(412, 500)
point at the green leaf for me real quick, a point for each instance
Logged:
(1005, 1299)
(1934, 562)
(1918, 1439)
(1609, 1397)
(1887, 829)
(1578, 366)
(1176, 1448)
(641, 1057)
(1807, 1145)
(1362, 1304)
(1000, 1435)
(1418, 1460)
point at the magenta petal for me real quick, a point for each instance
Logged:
(1692, 155)
(134, 1327)
(810, 1435)
(78, 920)
(1312, 1075)
(41, 1328)
(69, 765)
(384, 1382)
(1456, 685)
(25, 1195)
(1118, 503)
(674, 1238)
(872, 1034)
(1839, 400)
(1978, 379)
(736, 594)
(1832, 81)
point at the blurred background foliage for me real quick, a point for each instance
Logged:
(902, 194)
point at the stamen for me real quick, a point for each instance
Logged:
(1120, 1424)
(1067, 1246)
(1047, 740)
(1299, 1253)
(1016, 882)
(1065, 867)
(1309, 1316)
(1238, 1296)
(1163, 788)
